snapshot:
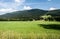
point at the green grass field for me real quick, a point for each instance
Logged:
(29, 30)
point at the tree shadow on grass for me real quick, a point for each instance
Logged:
(50, 26)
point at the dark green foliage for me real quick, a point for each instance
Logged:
(26, 15)
(30, 15)
(50, 26)
(55, 14)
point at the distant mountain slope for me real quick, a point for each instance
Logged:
(54, 12)
(30, 14)
(26, 13)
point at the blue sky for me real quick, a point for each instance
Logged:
(15, 5)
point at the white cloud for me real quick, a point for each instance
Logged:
(52, 8)
(7, 10)
(3, 11)
(49, 0)
(10, 6)
(27, 8)
(19, 1)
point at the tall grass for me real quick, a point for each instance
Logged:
(28, 30)
(15, 35)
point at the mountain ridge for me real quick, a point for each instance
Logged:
(30, 14)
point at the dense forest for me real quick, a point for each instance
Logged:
(30, 15)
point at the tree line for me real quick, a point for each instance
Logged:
(44, 17)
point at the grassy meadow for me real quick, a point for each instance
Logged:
(29, 30)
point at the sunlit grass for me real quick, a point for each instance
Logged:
(27, 30)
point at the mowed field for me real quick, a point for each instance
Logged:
(29, 30)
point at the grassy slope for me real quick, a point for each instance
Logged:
(28, 27)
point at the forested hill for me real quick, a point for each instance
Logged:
(29, 14)
(54, 12)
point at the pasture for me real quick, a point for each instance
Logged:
(29, 30)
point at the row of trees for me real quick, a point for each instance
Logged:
(51, 18)
(45, 17)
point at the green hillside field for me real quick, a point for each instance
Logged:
(29, 30)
